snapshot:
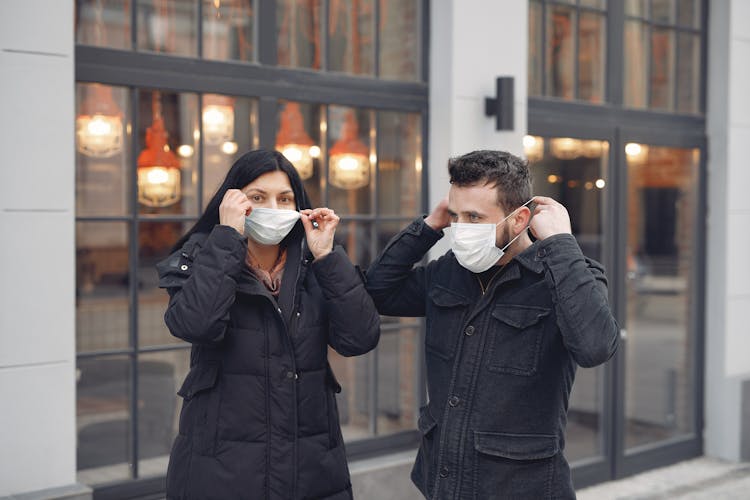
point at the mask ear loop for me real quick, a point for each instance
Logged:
(524, 229)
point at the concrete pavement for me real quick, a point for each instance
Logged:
(698, 479)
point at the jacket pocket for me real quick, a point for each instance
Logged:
(334, 425)
(425, 466)
(445, 312)
(513, 465)
(200, 407)
(516, 338)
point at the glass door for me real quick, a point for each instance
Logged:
(661, 276)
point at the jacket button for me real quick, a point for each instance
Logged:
(454, 400)
(184, 267)
(291, 375)
(542, 253)
(444, 472)
(469, 330)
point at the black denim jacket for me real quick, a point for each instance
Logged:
(500, 365)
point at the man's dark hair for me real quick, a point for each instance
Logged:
(508, 173)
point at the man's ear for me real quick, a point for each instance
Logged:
(522, 218)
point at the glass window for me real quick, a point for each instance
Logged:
(228, 30)
(103, 150)
(103, 419)
(102, 292)
(399, 163)
(169, 26)
(166, 162)
(160, 375)
(230, 129)
(574, 172)
(399, 37)
(661, 260)
(567, 49)
(350, 37)
(298, 137)
(663, 55)
(298, 33)
(351, 153)
(104, 23)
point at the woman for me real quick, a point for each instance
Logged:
(259, 291)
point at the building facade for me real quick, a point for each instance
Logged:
(630, 112)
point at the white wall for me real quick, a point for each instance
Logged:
(728, 278)
(472, 43)
(37, 351)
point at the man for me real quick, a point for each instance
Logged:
(508, 320)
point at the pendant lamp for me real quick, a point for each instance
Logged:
(218, 119)
(99, 126)
(158, 167)
(349, 163)
(293, 142)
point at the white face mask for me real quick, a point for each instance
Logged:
(268, 226)
(474, 244)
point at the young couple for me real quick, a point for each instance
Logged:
(260, 291)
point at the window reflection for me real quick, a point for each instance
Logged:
(166, 164)
(168, 26)
(230, 129)
(661, 259)
(560, 51)
(350, 36)
(298, 31)
(399, 163)
(350, 156)
(103, 419)
(399, 39)
(228, 30)
(102, 279)
(103, 153)
(104, 23)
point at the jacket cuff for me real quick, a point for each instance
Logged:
(230, 248)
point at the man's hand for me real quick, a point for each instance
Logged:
(439, 219)
(320, 238)
(233, 209)
(549, 218)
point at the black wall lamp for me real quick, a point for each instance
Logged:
(501, 106)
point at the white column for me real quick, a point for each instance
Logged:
(37, 329)
(728, 278)
(472, 43)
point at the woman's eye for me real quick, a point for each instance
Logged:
(256, 197)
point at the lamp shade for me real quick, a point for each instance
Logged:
(218, 119)
(293, 142)
(349, 163)
(158, 167)
(99, 125)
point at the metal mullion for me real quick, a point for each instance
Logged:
(104, 218)
(168, 218)
(373, 385)
(199, 194)
(376, 39)
(267, 43)
(543, 5)
(199, 32)
(424, 46)
(104, 353)
(132, 289)
(165, 348)
(134, 26)
(576, 53)
(324, 45)
(615, 52)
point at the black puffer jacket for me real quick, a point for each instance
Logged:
(259, 416)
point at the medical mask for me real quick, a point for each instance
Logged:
(268, 226)
(474, 244)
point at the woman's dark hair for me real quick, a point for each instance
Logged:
(245, 170)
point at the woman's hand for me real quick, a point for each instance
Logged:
(233, 209)
(320, 238)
